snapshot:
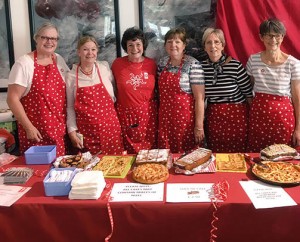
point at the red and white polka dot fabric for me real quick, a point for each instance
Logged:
(45, 106)
(271, 121)
(176, 115)
(97, 119)
(140, 129)
(226, 127)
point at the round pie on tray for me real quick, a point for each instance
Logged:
(278, 173)
(150, 173)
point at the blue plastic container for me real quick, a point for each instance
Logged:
(38, 155)
(58, 188)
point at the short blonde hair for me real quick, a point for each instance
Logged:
(46, 25)
(218, 32)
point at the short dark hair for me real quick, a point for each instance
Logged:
(133, 33)
(180, 32)
(272, 25)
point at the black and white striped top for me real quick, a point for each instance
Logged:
(232, 86)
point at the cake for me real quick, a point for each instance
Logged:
(160, 156)
(278, 150)
(193, 159)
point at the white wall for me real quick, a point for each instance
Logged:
(128, 16)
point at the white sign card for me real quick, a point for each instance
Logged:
(266, 196)
(10, 194)
(189, 192)
(134, 192)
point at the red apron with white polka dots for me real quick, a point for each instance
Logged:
(97, 119)
(271, 121)
(176, 114)
(45, 106)
(139, 131)
(226, 127)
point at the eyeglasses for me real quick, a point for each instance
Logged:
(271, 36)
(215, 42)
(53, 39)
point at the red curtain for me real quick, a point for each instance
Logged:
(240, 20)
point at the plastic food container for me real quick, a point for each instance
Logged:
(58, 188)
(38, 155)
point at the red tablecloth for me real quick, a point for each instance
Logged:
(36, 217)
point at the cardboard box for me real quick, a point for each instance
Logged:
(37, 155)
(58, 188)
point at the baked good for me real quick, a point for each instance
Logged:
(279, 172)
(233, 162)
(73, 161)
(193, 159)
(118, 166)
(113, 165)
(277, 150)
(150, 173)
(153, 156)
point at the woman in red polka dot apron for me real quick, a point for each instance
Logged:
(180, 124)
(275, 111)
(96, 117)
(227, 87)
(137, 106)
(45, 102)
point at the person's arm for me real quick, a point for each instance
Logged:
(14, 95)
(295, 90)
(71, 115)
(199, 94)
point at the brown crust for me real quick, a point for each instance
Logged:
(150, 182)
(278, 172)
(150, 173)
(277, 150)
(194, 159)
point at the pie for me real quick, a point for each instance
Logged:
(277, 172)
(233, 162)
(278, 150)
(113, 165)
(150, 173)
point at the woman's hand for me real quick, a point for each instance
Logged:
(76, 142)
(296, 138)
(199, 135)
(33, 134)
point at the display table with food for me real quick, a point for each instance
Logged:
(36, 217)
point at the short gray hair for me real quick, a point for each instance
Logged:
(45, 25)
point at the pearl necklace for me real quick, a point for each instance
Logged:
(87, 73)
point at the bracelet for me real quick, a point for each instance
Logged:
(198, 129)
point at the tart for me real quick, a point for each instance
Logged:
(150, 173)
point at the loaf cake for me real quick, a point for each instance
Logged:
(278, 150)
(193, 159)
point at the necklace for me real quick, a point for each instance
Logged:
(87, 73)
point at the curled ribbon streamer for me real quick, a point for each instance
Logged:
(40, 173)
(107, 238)
(220, 190)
